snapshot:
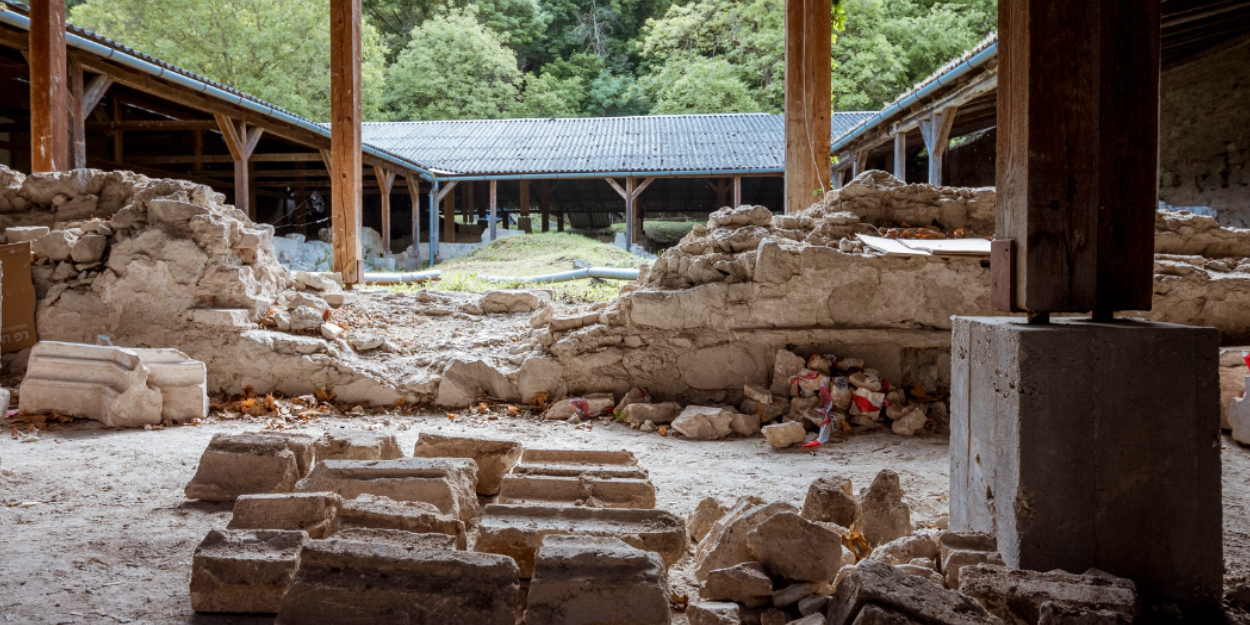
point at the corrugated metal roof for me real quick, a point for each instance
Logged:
(655, 144)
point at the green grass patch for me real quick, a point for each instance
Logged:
(666, 233)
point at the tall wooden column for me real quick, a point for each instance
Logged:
(544, 203)
(900, 156)
(1078, 142)
(494, 207)
(84, 97)
(414, 195)
(449, 215)
(386, 181)
(468, 203)
(49, 88)
(633, 220)
(346, 177)
(523, 222)
(241, 141)
(807, 114)
(936, 132)
(737, 191)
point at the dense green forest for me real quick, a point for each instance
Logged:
(463, 59)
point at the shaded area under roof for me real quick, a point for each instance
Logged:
(655, 145)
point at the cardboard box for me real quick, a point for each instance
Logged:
(17, 299)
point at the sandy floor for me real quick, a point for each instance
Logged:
(94, 527)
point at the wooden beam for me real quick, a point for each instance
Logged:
(494, 208)
(95, 91)
(900, 156)
(448, 196)
(737, 191)
(523, 222)
(241, 142)
(936, 132)
(118, 145)
(468, 201)
(77, 118)
(861, 163)
(808, 42)
(345, 139)
(158, 125)
(49, 89)
(386, 181)
(414, 195)
(1078, 143)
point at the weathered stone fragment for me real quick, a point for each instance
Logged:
(494, 458)
(713, 613)
(244, 570)
(793, 594)
(513, 300)
(360, 579)
(108, 384)
(744, 424)
(418, 517)
(357, 445)
(877, 615)
(786, 366)
(957, 550)
(830, 499)
(448, 483)
(745, 583)
(704, 423)
(663, 412)
(311, 512)
(580, 580)
(883, 515)
(595, 478)
(1053, 613)
(1017, 595)
(727, 544)
(782, 435)
(706, 513)
(878, 583)
(791, 547)
(518, 531)
(247, 463)
(904, 550)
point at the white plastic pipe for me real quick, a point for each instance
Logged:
(402, 278)
(607, 273)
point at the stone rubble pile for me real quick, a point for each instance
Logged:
(849, 560)
(345, 528)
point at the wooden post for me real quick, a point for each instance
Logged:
(118, 146)
(737, 191)
(524, 220)
(494, 199)
(434, 223)
(449, 215)
(861, 163)
(807, 100)
(414, 195)
(633, 227)
(469, 202)
(197, 151)
(346, 177)
(386, 181)
(721, 188)
(900, 156)
(1078, 142)
(544, 200)
(49, 90)
(84, 97)
(241, 141)
(937, 137)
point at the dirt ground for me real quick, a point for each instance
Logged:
(94, 527)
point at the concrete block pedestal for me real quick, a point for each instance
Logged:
(1083, 444)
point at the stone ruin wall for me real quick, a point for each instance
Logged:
(708, 316)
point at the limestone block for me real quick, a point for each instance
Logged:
(513, 300)
(363, 580)
(418, 517)
(494, 458)
(225, 317)
(957, 550)
(464, 382)
(581, 580)
(1017, 595)
(574, 462)
(663, 412)
(794, 593)
(182, 381)
(448, 483)
(713, 613)
(24, 234)
(878, 583)
(787, 365)
(830, 499)
(1239, 416)
(727, 544)
(782, 435)
(745, 424)
(745, 583)
(89, 249)
(541, 375)
(882, 514)
(55, 245)
(518, 531)
(704, 423)
(357, 445)
(584, 489)
(244, 570)
(705, 515)
(791, 547)
(814, 605)
(306, 318)
(877, 615)
(247, 463)
(1053, 613)
(108, 384)
(312, 513)
(918, 546)
(1090, 478)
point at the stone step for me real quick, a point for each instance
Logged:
(586, 489)
(582, 580)
(250, 463)
(244, 570)
(448, 483)
(518, 530)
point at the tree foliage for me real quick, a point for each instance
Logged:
(277, 50)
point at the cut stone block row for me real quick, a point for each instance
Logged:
(120, 387)
(876, 592)
(581, 580)
(250, 463)
(518, 531)
(322, 514)
(606, 479)
(244, 570)
(447, 483)
(1018, 596)
(357, 445)
(494, 457)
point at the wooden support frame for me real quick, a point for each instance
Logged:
(84, 97)
(545, 189)
(936, 132)
(414, 195)
(861, 163)
(633, 219)
(346, 179)
(386, 181)
(50, 114)
(241, 141)
(808, 44)
(436, 196)
(721, 188)
(900, 156)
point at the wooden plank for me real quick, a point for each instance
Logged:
(1078, 132)
(346, 178)
(155, 125)
(49, 89)
(523, 222)
(448, 196)
(900, 156)
(386, 181)
(808, 44)
(414, 195)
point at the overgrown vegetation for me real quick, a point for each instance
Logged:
(462, 59)
(666, 233)
(533, 255)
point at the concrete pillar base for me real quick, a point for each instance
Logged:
(1085, 444)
